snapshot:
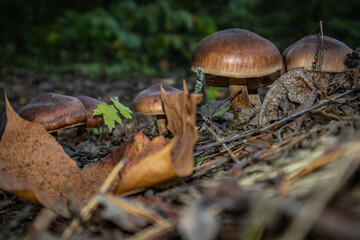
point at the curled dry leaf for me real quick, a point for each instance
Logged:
(292, 88)
(35, 167)
(159, 160)
(180, 110)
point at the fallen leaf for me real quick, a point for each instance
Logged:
(159, 160)
(3, 119)
(292, 88)
(180, 110)
(143, 172)
(34, 166)
(17, 187)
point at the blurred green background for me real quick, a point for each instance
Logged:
(130, 38)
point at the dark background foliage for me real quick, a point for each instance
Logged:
(131, 38)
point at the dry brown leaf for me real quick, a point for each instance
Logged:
(40, 169)
(149, 169)
(159, 160)
(180, 110)
(292, 88)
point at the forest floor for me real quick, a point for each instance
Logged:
(278, 183)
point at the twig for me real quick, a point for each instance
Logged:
(211, 122)
(311, 210)
(227, 99)
(274, 125)
(232, 155)
(320, 52)
(279, 132)
(138, 211)
(154, 231)
(87, 210)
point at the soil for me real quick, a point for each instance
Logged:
(261, 193)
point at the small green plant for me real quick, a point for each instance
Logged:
(110, 113)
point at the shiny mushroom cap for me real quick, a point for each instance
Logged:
(90, 104)
(149, 101)
(236, 53)
(54, 111)
(302, 54)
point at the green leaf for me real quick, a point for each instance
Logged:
(222, 111)
(110, 115)
(124, 110)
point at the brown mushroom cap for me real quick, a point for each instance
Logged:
(302, 54)
(90, 104)
(149, 102)
(236, 53)
(54, 111)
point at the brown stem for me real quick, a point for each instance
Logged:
(161, 123)
(242, 99)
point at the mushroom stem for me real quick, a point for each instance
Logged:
(161, 123)
(242, 99)
(255, 100)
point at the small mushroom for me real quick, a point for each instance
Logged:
(148, 102)
(90, 105)
(237, 58)
(303, 52)
(54, 111)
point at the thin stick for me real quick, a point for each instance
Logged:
(320, 53)
(312, 209)
(227, 99)
(211, 122)
(87, 210)
(273, 125)
(232, 155)
(154, 231)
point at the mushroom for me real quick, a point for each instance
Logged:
(90, 105)
(148, 102)
(237, 58)
(54, 111)
(303, 52)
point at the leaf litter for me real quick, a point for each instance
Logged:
(290, 182)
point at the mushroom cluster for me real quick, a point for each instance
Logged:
(238, 58)
(56, 111)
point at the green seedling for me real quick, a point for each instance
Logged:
(110, 113)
